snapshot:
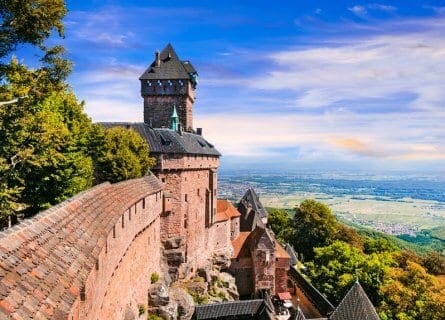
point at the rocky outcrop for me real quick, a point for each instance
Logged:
(170, 303)
(221, 259)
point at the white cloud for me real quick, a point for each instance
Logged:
(376, 67)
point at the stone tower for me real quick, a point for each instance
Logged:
(168, 82)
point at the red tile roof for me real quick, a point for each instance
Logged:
(226, 210)
(284, 296)
(240, 246)
(45, 261)
(280, 252)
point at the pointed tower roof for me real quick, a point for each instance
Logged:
(174, 119)
(168, 66)
(355, 306)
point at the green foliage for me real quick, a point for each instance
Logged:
(142, 309)
(29, 21)
(281, 223)
(411, 293)
(199, 298)
(434, 262)
(154, 317)
(337, 266)
(123, 155)
(154, 277)
(379, 245)
(49, 149)
(314, 226)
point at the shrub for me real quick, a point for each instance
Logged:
(142, 309)
(154, 277)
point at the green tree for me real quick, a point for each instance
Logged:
(434, 262)
(314, 226)
(123, 155)
(29, 21)
(337, 266)
(281, 223)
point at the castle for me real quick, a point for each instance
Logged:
(93, 256)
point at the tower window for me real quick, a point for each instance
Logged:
(186, 197)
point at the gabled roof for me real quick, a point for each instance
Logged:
(355, 306)
(244, 309)
(226, 210)
(170, 67)
(252, 211)
(164, 140)
(292, 254)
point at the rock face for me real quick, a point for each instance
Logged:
(158, 295)
(186, 305)
(170, 303)
(221, 259)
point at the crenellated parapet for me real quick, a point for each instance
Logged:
(77, 260)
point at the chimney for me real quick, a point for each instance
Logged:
(180, 128)
(199, 131)
(157, 59)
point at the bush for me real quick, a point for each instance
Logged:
(154, 277)
(142, 309)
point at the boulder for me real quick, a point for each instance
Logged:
(169, 311)
(174, 257)
(158, 295)
(221, 259)
(197, 287)
(186, 305)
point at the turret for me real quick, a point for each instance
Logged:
(168, 81)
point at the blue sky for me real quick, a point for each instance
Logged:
(301, 85)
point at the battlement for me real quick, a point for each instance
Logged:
(64, 262)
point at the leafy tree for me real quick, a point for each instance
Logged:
(434, 262)
(337, 266)
(123, 155)
(412, 294)
(314, 226)
(280, 223)
(29, 21)
(379, 245)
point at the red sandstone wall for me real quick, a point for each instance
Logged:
(121, 276)
(219, 235)
(242, 270)
(234, 228)
(281, 279)
(188, 180)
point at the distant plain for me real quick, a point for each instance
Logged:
(391, 204)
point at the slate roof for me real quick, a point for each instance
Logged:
(163, 140)
(45, 260)
(292, 254)
(226, 210)
(243, 309)
(355, 306)
(298, 315)
(251, 218)
(171, 67)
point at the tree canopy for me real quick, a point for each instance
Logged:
(29, 21)
(49, 148)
